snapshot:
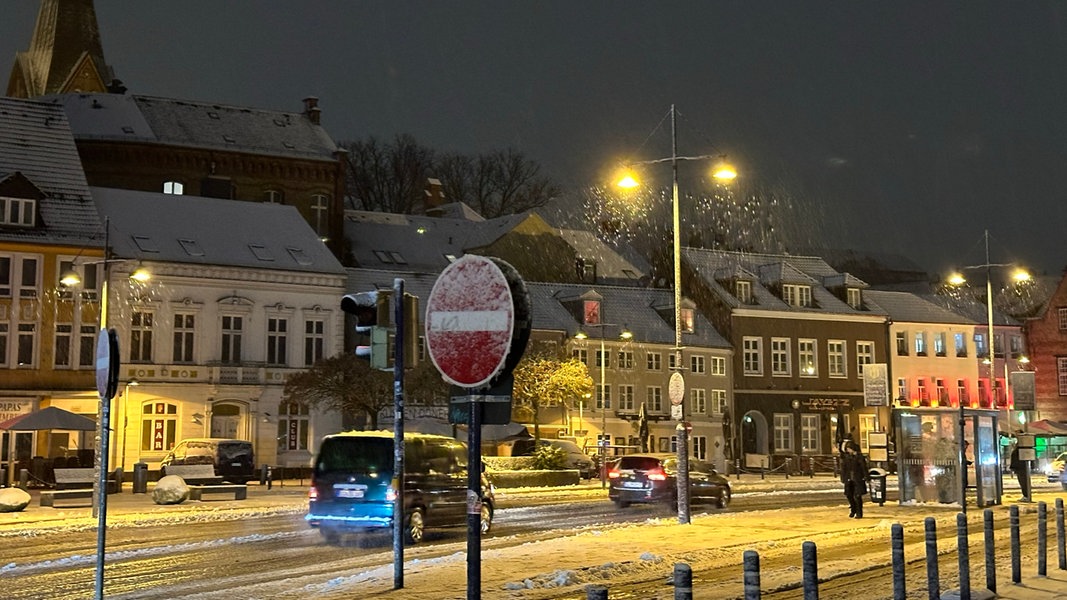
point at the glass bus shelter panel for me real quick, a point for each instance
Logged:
(929, 457)
(985, 459)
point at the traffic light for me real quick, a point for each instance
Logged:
(370, 309)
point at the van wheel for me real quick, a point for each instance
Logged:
(486, 518)
(331, 536)
(621, 504)
(724, 499)
(416, 528)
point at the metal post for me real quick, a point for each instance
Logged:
(683, 446)
(964, 556)
(933, 578)
(751, 575)
(1061, 550)
(810, 562)
(596, 592)
(900, 590)
(474, 502)
(683, 581)
(603, 413)
(1042, 539)
(398, 434)
(990, 552)
(1013, 523)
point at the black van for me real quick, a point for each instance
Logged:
(233, 460)
(352, 487)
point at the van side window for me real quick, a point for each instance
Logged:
(438, 459)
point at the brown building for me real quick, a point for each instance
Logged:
(1046, 336)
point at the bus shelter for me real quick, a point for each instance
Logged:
(929, 455)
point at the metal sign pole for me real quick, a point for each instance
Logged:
(398, 433)
(474, 499)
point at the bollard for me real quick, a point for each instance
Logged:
(683, 582)
(1013, 522)
(964, 556)
(990, 552)
(1042, 539)
(788, 467)
(1061, 550)
(264, 474)
(810, 560)
(751, 574)
(24, 478)
(737, 468)
(933, 578)
(762, 471)
(596, 592)
(899, 586)
(3, 477)
(140, 478)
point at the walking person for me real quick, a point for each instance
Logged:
(854, 475)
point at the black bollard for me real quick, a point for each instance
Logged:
(751, 567)
(1042, 539)
(810, 560)
(964, 555)
(788, 467)
(140, 478)
(1013, 523)
(24, 478)
(683, 582)
(900, 590)
(596, 592)
(1061, 550)
(737, 468)
(933, 578)
(990, 552)
(3, 477)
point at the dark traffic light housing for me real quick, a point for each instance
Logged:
(374, 324)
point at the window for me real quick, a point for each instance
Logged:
(277, 341)
(3, 343)
(159, 424)
(696, 364)
(864, 356)
(797, 295)
(626, 359)
(902, 343)
(688, 320)
(1016, 346)
(699, 446)
(320, 203)
(654, 361)
(1061, 374)
(809, 364)
(274, 196)
(718, 366)
(654, 398)
(998, 345)
(29, 280)
(835, 358)
(809, 433)
(314, 341)
(752, 351)
(718, 401)
(924, 398)
(173, 187)
(1061, 314)
(672, 361)
(920, 343)
(141, 337)
(743, 291)
(855, 299)
(184, 335)
(983, 390)
(780, 357)
(961, 345)
(939, 344)
(86, 347)
(603, 396)
(231, 339)
(63, 341)
(783, 433)
(294, 424)
(580, 355)
(21, 212)
(27, 345)
(699, 399)
(591, 312)
(5, 276)
(902, 389)
(602, 358)
(980, 349)
(626, 397)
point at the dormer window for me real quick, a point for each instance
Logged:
(688, 320)
(743, 291)
(591, 312)
(796, 295)
(173, 187)
(21, 212)
(855, 299)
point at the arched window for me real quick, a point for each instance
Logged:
(159, 426)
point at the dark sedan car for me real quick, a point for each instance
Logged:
(651, 478)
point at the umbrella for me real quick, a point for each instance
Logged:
(49, 418)
(642, 427)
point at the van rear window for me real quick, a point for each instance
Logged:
(355, 455)
(234, 451)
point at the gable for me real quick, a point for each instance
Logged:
(18, 185)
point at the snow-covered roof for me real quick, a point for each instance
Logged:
(904, 307)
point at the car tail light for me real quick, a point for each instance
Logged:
(613, 474)
(313, 493)
(390, 494)
(656, 475)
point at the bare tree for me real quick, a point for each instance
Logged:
(495, 184)
(388, 177)
(345, 383)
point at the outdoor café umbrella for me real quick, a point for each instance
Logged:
(49, 418)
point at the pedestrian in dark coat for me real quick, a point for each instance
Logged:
(854, 475)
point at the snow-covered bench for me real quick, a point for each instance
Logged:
(78, 483)
(201, 480)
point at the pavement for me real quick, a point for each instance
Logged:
(290, 497)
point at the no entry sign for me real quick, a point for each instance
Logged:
(470, 318)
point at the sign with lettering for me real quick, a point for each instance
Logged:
(875, 384)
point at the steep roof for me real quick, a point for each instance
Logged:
(211, 231)
(192, 124)
(36, 142)
(905, 307)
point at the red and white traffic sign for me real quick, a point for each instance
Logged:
(470, 318)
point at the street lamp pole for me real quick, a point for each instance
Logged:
(603, 414)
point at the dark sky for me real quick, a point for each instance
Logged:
(907, 127)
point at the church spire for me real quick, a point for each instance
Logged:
(65, 53)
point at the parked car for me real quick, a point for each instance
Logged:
(652, 478)
(1055, 468)
(353, 490)
(233, 460)
(575, 458)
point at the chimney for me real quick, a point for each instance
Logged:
(435, 194)
(312, 110)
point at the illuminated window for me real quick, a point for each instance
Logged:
(294, 426)
(159, 425)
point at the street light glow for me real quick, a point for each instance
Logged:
(724, 172)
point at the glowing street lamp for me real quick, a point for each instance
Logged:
(722, 172)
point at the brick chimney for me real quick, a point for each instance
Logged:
(312, 110)
(435, 194)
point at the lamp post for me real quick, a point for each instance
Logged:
(957, 279)
(722, 172)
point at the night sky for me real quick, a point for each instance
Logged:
(907, 127)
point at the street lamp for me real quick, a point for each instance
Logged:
(957, 279)
(602, 446)
(722, 172)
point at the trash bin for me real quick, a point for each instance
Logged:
(877, 485)
(140, 478)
